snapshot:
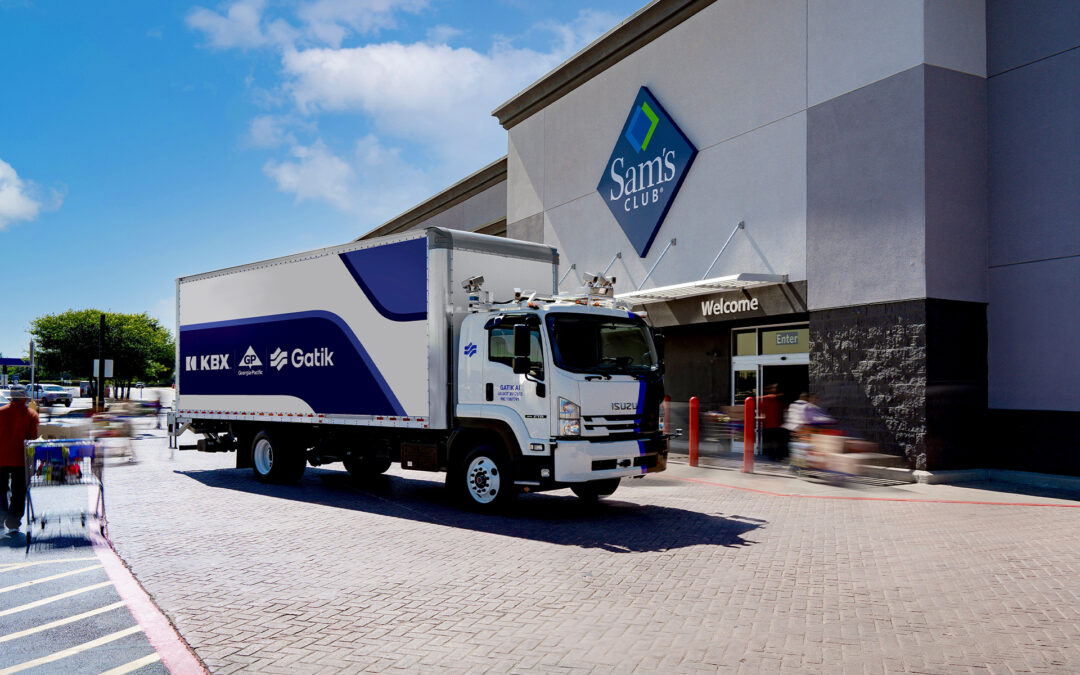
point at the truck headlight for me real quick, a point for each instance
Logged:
(569, 418)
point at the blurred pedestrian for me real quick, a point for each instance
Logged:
(806, 413)
(774, 437)
(18, 423)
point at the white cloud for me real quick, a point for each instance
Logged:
(239, 26)
(314, 173)
(442, 35)
(437, 95)
(247, 23)
(434, 99)
(19, 199)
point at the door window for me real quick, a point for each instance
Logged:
(501, 349)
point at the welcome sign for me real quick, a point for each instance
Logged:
(645, 170)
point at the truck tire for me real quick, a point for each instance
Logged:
(366, 466)
(596, 489)
(484, 480)
(275, 460)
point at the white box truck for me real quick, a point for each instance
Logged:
(439, 349)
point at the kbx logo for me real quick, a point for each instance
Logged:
(207, 362)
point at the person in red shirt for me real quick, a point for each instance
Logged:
(774, 437)
(18, 423)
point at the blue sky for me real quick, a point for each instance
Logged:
(142, 141)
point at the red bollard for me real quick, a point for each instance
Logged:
(667, 414)
(693, 430)
(748, 436)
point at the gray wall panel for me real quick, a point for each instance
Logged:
(956, 35)
(865, 222)
(855, 42)
(758, 177)
(1033, 319)
(956, 211)
(1022, 31)
(1035, 161)
(525, 169)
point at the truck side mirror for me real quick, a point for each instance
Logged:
(522, 345)
(658, 340)
(521, 365)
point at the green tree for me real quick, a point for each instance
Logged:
(140, 347)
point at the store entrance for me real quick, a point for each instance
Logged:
(790, 381)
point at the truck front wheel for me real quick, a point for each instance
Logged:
(485, 481)
(596, 489)
(274, 460)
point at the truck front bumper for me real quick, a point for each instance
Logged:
(578, 461)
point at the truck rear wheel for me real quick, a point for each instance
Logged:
(275, 460)
(484, 480)
(596, 489)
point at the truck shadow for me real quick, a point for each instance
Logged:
(612, 524)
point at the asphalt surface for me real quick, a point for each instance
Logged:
(689, 570)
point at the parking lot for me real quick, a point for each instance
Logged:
(694, 569)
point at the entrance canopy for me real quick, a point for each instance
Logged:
(731, 282)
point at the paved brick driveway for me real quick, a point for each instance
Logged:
(668, 576)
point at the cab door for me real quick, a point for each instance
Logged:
(524, 394)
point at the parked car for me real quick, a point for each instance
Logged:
(4, 400)
(49, 394)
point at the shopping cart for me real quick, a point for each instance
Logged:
(71, 471)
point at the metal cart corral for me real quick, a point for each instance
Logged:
(72, 465)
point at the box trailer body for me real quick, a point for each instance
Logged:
(367, 353)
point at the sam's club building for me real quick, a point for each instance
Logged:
(877, 201)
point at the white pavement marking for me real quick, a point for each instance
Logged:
(134, 665)
(54, 598)
(64, 653)
(8, 567)
(60, 622)
(52, 578)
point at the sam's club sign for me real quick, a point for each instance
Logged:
(645, 170)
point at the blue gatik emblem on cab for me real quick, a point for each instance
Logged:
(645, 170)
(470, 349)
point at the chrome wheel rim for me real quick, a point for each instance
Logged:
(264, 456)
(483, 478)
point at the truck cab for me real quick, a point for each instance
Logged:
(578, 383)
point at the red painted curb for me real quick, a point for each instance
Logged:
(163, 637)
(875, 499)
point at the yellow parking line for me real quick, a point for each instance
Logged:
(134, 665)
(54, 598)
(64, 653)
(52, 578)
(8, 567)
(60, 622)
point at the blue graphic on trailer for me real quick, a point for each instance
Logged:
(308, 355)
(470, 350)
(645, 170)
(393, 277)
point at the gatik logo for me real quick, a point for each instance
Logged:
(278, 359)
(645, 170)
(207, 362)
(470, 349)
(320, 357)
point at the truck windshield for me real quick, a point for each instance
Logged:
(594, 344)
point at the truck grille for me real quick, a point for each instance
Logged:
(611, 424)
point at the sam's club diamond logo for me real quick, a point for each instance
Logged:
(645, 170)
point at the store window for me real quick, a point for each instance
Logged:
(745, 342)
(785, 341)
